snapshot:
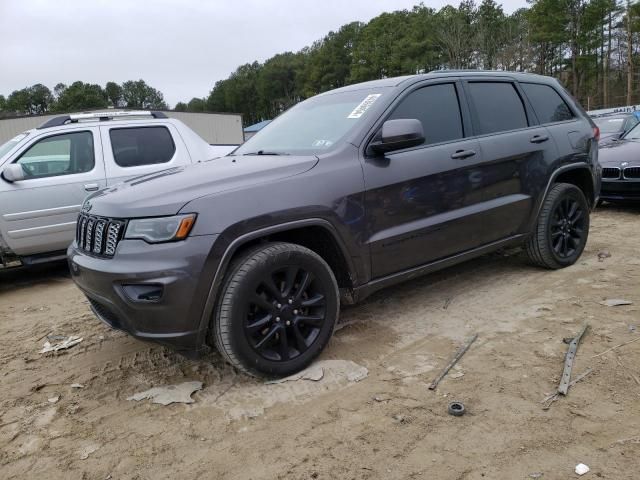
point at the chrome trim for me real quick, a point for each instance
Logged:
(624, 176)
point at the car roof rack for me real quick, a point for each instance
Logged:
(100, 116)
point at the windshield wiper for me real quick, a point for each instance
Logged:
(264, 152)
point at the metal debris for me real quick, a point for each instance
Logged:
(63, 343)
(554, 396)
(169, 394)
(461, 351)
(617, 346)
(615, 302)
(563, 388)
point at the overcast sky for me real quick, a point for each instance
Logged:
(181, 47)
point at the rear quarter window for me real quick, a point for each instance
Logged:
(133, 147)
(547, 103)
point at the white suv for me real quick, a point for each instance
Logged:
(47, 172)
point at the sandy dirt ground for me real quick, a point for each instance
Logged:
(387, 425)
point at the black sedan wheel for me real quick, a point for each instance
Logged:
(562, 228)
(277, 311)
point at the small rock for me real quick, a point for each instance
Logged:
(381, 398)
(456, 375)
(602, 254)
(536, 475)
(53, 399)
(88, 450)
(581, 469)
(77, 385)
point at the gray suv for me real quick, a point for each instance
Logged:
(346, 193)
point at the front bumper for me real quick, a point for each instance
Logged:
(179, 270)
(620, 190)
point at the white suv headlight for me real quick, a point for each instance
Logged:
(160, 229)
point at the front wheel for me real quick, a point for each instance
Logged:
(561, 231)
(277, 310)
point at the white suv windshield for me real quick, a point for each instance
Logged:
(5, 147)
(313, 126)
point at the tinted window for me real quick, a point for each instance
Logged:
(59, 155)
(436, 106)
(141, 146)
(547, 103)
(498, 107)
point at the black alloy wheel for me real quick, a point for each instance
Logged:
(567, 227)
(562, 228)
(285, 313)
(276, 311)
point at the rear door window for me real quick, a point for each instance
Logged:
(133, 147)
(437, 107)
(59, 155)
(547, 103)
(497, 107)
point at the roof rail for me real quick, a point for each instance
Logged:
(101, 116)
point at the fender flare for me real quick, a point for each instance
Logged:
(243, 239)
(552, 179)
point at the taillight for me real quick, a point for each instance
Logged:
(596, 133)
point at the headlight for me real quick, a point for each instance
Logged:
(162, 229)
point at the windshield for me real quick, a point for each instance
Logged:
(634, 133)
(609, 125)
(313, 126)
(5, 147)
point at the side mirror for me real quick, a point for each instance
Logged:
(13, 173)
(398, 134)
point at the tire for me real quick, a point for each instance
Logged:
(561, 232)
(277, 310)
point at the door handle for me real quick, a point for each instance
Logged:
(460, 154)
(91, 187)
(539, 138)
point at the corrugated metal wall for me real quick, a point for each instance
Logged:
(215, 128)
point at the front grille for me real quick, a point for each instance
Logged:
(632, 172)
(610, 172)
(98, 235)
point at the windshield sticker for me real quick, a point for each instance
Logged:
(364, 105)
(322, 143)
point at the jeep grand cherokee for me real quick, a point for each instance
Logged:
(347, 192)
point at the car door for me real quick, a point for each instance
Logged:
(38, 214)
(421, 202)
(134, 150)
(516, 152)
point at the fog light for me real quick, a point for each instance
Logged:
(144, 292)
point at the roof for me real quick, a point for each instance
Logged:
(408, 79)
(256, 127)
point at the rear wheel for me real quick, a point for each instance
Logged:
(277, 310)
(562, 229)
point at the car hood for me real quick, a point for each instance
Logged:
(167, 191)
(617, 152)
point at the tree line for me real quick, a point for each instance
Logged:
(39, 99)
(591, 46)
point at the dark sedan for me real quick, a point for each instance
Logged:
(620, 162)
